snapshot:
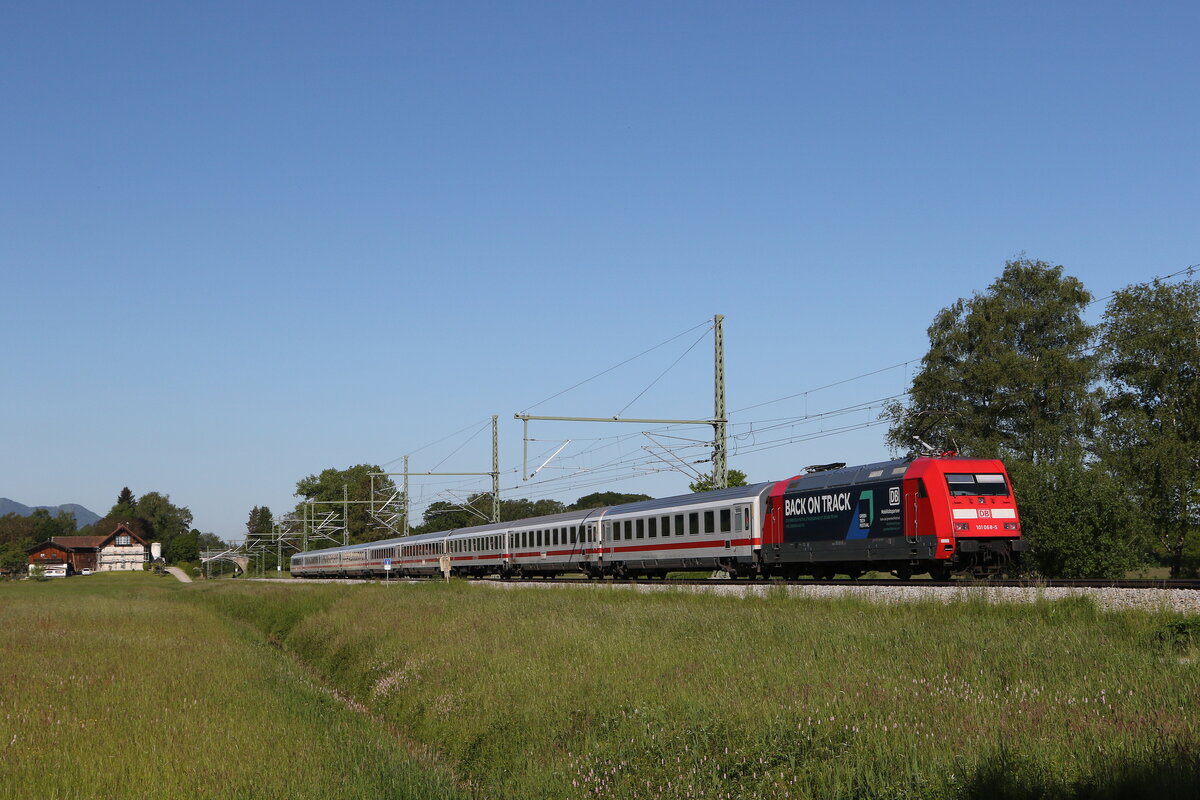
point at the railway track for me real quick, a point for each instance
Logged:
(1080, 583)
(1190, 583)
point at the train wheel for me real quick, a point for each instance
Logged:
(854, 574)
(904, 573)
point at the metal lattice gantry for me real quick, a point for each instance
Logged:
(394, 509)
(719, 421)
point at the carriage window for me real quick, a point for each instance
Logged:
(641, 529)
(708, 522)
(628, 529)
(573, 534)
(726, 520)
(652, 528)
(693, 523)
(679, 525)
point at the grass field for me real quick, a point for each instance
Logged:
(595, 693)
(113, 686)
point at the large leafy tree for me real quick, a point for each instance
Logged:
(46, 526)
(166, 519)
(1151, 430)
(17, 528)
(325, 491)
(17, 532)
(1009, 371)
(183, 547)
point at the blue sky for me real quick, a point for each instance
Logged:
(243, 242)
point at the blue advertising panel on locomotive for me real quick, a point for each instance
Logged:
(861, 511)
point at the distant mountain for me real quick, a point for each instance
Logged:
(82, 515)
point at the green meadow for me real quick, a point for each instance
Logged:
(122, 686)
(130, 686)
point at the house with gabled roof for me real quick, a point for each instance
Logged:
(122, 549)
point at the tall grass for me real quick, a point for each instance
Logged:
(614, 694)
(121, 686)
(112, 688)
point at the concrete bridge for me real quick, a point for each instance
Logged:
(235, 555)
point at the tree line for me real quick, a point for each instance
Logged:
(1098, 424)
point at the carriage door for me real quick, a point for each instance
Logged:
(741, 524)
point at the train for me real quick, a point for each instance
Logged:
(942, 515)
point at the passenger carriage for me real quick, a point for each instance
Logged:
(706, 531)
(555, 544)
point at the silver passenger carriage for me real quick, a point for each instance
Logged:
(719, 530)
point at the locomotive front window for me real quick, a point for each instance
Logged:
(974, 485)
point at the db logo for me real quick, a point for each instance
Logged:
(985, 513)
(894, 496)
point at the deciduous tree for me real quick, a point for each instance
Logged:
(1151, 431)
(1010, 369)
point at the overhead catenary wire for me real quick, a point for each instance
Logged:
(662, 374)
(618, 366)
